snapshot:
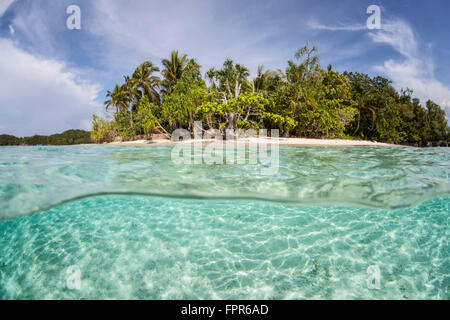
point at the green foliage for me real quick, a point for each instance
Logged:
(186, 95)
(144, 120)
(304, 100)
(69, 137)
(8, 140)
(102, 131)
(173, 70)
(436, 126)
(326, 106)
(244, 111)
(385, 115)
(143, 123)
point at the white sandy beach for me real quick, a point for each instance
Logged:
(281, 141)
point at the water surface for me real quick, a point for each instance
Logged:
(35, 178)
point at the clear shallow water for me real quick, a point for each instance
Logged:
(208, 237)
(33, 179)
(157, 248)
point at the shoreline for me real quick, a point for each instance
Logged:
(294, 142)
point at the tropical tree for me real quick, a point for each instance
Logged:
(244, 111)
(173, 70)
(327, 107)
(143, 79)
(363, 93)
(144, 119)
(186, 95)
(144, 82)
(267, 81)
(211, 75)
(438, 127)
(118, 98)
(231, 79)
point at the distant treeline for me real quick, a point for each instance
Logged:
(68, 137)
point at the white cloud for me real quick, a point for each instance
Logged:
(399, 35)
(312, 24)
(207, 30)
(4, 4)
(41, 96)
(35, 29)
(416, 69)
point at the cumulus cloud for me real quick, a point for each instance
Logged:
(115, 37)
(210, 31)
(4, 4)
(416, 69)
(399, 35)
(40, 95)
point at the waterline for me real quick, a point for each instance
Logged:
(33, 179)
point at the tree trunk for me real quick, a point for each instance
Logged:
(231, 120)
(191, 122)
(237, 89)
(161, 130)
(227, 83)
(359, 119)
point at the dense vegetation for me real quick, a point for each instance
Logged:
(68, 137)
(303, 100)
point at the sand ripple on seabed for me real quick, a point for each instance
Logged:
(153, 248)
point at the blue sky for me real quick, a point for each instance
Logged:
(54, 79)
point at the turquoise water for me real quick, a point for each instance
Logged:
(137, 226)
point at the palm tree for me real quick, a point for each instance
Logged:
(231, 78)
(118, 98)
(211, 75)
(173, 70)
(242, 74)
(266, 81)
(144, 80)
